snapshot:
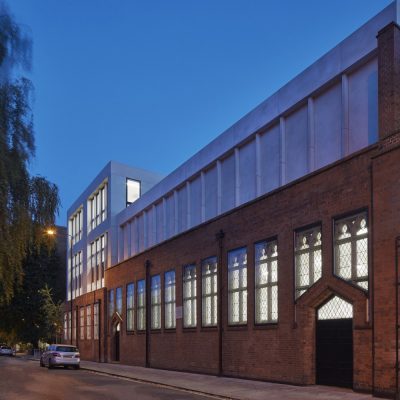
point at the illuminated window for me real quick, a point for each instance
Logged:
(170, 299)
(237, 287)
(351, 249)
(77, 274)
(74, 325)
(308, 258)
(130, 307)
(88, 322)
(75, 225)
(97, 207)
(96, 321)
(132, 191)
(97, 262)
(209, 292)
(155, 302)
(189, 296)
(65, 326)
(82, 323)
(336, 308)
(266, 282)
(141, 305)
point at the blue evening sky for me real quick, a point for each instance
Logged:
(149, 83)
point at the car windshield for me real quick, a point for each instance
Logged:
(66, 349)
(6, 347)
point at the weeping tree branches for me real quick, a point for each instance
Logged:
(27, 203)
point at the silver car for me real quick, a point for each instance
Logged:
(60, 355)
(6, 351)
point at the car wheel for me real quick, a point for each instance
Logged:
(50, 366)
(65, 366)
(41, 363)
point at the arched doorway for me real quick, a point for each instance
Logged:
(117, 332)
(334, 343)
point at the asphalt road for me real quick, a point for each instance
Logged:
(22, 379)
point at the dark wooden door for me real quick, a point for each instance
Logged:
(334, 348)
(117, 346)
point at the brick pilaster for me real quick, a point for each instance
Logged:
(389, 80)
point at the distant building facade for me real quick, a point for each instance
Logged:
(270, 254)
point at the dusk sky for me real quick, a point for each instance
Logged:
(149, 83)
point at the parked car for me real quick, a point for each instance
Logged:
(6, 351)
(60, 355)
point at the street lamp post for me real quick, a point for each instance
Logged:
(53, 232)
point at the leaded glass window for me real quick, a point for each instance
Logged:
(88, 322)
(82, 323)
(351, 249)
(237, 287)
(110, 303)
(74, 325)
(308, 258)
(266, 282)
(336, 308)
(141, 305)
(96, 321)
(69, 325)
(130, 306)
(209, 292)
(155, 302)
(189, 296)
(170, 300)
(118, 300)
(65, 326)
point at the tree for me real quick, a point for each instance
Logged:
(33, 313)
(27, 203)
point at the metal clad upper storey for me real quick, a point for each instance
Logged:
(325, 113)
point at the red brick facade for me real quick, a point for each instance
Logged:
(283, 351)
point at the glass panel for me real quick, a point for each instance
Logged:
(189, 296)
(336, 308)
(209, 292)
(351, 249)
(132, 191)
(237, 286)
(308, 258)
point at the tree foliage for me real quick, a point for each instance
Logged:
(27, 203)
(34, 312)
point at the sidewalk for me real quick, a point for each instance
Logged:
(223, 388)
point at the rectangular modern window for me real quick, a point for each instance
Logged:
(307, 258)
(96, 321)
(110, 303)
(77, 274)
(97, 207)
(169, 300)
(266, 282)
(132, 191)
(237, 287)
(130, 307)
(155, 302)
(82, 323)
(118, 300)
(141, 305)
(189, 296)
(65, 326)
(75, 225)
(97, 262)
(69, 325)
(74, 324)
(88, 322)
(209, 292)
(351, 249)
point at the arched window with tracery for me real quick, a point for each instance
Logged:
(351, 249)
